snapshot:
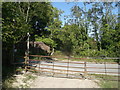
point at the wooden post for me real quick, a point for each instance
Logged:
(85, 69)
(68, 67)
(53, 68)
(28, 44)
(26, 58)
(105, 68)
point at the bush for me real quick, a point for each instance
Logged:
(47, 41)
(58, 53)
(93, 53)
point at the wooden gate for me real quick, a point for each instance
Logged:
(65, 67)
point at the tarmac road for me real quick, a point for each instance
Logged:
(95, 70)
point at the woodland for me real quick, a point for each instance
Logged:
(87, 32)
(42, 21)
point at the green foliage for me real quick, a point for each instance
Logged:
(110, 40)
(48, 41)
(14, 25)
(58, 53)
(71, 37)
(42, 21)
(92, 53)
(19, 18)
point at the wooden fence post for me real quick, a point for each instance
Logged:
(105, 68)
(26, 58)
(53, 68)
(67, 66)
(85, 69)
(39, 66)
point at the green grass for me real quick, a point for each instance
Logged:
(106, 81)
(35, 58)
(61, 55)
(109, 84)
(89, 60)
(19, 69)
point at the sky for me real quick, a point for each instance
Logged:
(66, 7)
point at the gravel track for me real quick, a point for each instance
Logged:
(53, 82)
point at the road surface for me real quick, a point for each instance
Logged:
(95, 70)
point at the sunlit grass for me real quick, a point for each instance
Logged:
(106, 81)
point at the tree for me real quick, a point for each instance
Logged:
(102, 22)
(51, 31)
(95, 14)
(71, 38)
(108, 29)
(23, 17)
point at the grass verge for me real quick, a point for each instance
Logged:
(107, 81)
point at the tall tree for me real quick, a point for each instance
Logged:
(19, 18)
(95, 14)
(109, 30)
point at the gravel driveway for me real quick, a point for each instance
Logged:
(52, 82)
